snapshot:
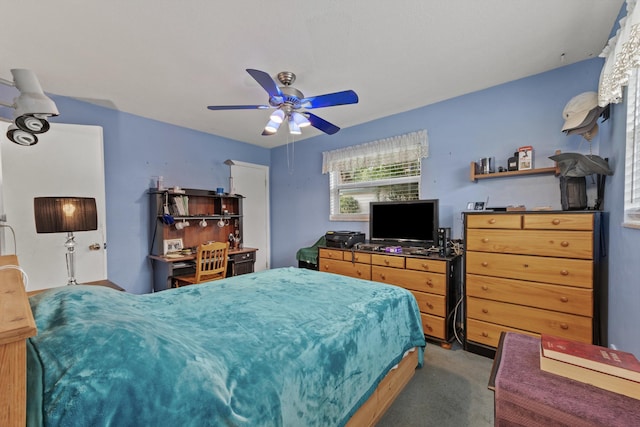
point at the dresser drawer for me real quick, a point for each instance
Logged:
(489, 333)
(330, 253)
(346, 268)
(431, 304)
(415, 280)
(513, 221)
(564, 244)
(423, 264)
(388, 260)
(541, 295)
(357, 257)
(570, 272)
(536, 320)
(433, 326)
(558, 221)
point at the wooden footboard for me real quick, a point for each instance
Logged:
(388, 389)
(16, 325)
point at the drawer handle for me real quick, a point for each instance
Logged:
(564, 326)
(386, 261)
(485, 310)
(430, 283)
(486, 335)
(564, 272)
(383, 277)
(564, 244)
(485, 263)
(485, 240)
(359, 273)
(429, 305)
(429, 327)
(492, 221)
(330, 255)
(555, 221)
(564, 299)
(326, 267)
(425, 266)
(485, 287)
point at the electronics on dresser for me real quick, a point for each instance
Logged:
(343, 239)
(413, 222)
(444, 236)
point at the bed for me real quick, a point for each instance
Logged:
(283, 347)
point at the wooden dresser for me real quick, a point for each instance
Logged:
(533, 272)
(431, 279)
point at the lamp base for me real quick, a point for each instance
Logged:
(70, 244)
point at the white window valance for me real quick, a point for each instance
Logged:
(622, 55)
(396, 149)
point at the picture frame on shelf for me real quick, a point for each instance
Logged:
(525, 158)
(172, 246)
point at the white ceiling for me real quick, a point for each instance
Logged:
(168, 60)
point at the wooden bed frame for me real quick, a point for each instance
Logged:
(17, 324)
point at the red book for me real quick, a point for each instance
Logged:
(612, 362)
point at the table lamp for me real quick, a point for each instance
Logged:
(66, 214)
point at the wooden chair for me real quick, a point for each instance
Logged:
(211, 264)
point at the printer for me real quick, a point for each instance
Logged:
(343, 239)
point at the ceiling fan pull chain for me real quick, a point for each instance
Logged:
(290, 158)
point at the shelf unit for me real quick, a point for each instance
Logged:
(474, 177)
(202, 204)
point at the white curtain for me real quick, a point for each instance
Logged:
(622, 55)
(397, 149)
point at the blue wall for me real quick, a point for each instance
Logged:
(135, 150)
(624, 243)
(492, 122)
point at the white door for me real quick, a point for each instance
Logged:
(252, 181)
(67, 161)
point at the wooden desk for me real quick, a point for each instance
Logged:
(525, 395)
(241, 261)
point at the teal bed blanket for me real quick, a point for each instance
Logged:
(282, 347)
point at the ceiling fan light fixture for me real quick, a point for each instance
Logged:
(277, 116)
(300, 120)
(294, 129)
(271, 127)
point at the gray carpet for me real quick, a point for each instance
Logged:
(449, 390)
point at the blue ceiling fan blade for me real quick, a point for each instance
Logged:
(322, 124)
(330, 99)
(266, 82)
(237, 107)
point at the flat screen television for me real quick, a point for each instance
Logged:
(406, 223)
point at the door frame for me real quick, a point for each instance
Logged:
(267, 207)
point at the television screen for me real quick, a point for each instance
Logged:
(408, 222)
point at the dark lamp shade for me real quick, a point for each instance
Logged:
(65, 214)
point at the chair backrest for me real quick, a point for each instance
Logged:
(211, 261)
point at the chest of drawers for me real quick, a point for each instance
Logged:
(533, 273)
(433, 281)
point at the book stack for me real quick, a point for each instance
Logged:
(609, 369)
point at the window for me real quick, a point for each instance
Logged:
(383, 170)
(632, 161)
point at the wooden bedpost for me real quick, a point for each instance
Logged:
(16, 325)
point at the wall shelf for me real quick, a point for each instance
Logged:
(540, 171)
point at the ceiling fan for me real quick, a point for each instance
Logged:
(288, 100)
